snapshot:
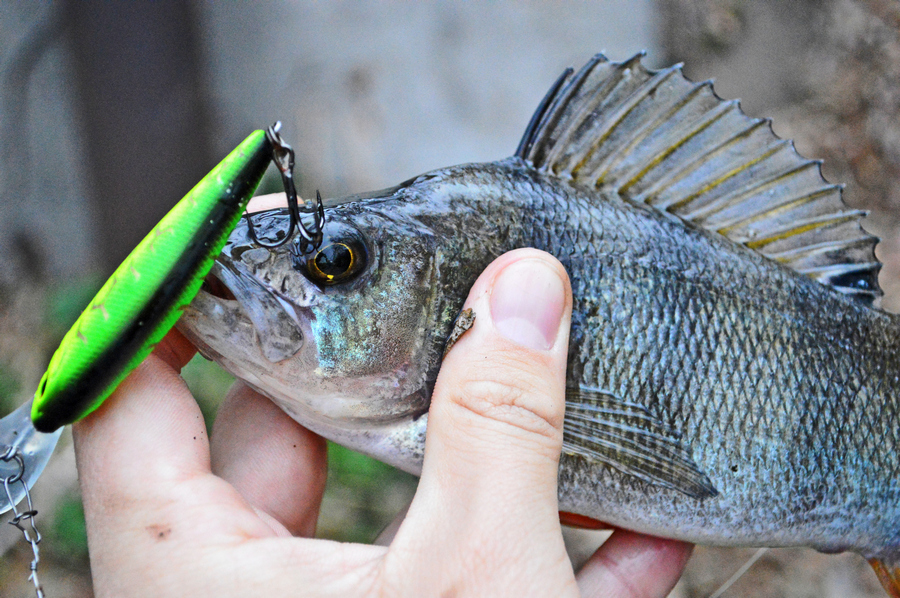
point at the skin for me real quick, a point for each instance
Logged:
(171, 512)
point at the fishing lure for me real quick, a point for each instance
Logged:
(146, 294)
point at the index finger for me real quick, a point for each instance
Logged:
(149, 430)
(144, 468)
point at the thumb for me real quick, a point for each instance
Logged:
(487, 496)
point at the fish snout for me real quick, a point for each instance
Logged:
(275, 318)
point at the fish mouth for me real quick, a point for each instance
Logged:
(231, 288)
(216, 288)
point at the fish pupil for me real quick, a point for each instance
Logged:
(339, 259)
(334, 260)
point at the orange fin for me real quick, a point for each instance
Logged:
(582, 521)
(888, 575)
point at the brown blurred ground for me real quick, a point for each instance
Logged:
(827, 72)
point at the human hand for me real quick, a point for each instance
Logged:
(172, 513)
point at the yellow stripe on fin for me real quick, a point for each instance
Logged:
(655, 137)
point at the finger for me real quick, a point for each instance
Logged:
(495, 429)
(136, 455)
(267, 202)
(175, 350)
(387, 535)
(143, 465)
(278, 466)
(149, 430)
(632, 565)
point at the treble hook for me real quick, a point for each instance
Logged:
(283, 156)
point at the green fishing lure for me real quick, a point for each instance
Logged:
(146, 294)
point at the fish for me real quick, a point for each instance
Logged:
(731, 379)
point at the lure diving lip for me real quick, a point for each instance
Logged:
(27, 453)
(144, 297)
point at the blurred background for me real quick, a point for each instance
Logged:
(111, 111)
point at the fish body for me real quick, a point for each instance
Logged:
(729, 380)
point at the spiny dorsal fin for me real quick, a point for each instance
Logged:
(655, 137)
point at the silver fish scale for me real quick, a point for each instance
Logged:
(784, 391)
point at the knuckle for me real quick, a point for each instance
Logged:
(513, 392)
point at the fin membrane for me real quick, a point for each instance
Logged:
(625, 436)
(657, 138)
(888, 575)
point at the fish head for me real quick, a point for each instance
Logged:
(343, 336)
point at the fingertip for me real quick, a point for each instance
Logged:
(510, 367)
(267, 202)
(633, 564)
(528, 299)
(524, 281)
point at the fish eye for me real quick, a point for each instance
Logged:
(334, 263)
(338, 259)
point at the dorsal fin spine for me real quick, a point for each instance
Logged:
(723, 177)
(528, 138)
(557, 108)
(640, 134)
(826, 271)
(615, 119)
(575, 121)
(803, 226)
(739, 197)
(761, 154)
(691, 167)
(646, 133)
(697, 127)
(799, 254)
(819, 248)
(655, 137)
(790, 203)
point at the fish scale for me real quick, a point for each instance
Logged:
(731, 379)
(737, 326)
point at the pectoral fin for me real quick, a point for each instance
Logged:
(626, 436)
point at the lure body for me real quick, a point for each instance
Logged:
(144, 297)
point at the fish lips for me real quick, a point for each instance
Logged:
(276, 319)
